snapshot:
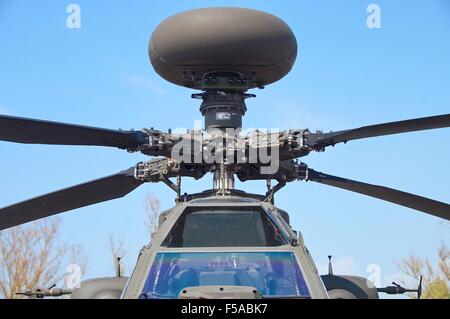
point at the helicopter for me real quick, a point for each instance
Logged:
(222, 242)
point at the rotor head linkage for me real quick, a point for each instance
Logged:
(223, 180)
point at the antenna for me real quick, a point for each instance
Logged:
(118, 270)
(419, 288)
(330, 266)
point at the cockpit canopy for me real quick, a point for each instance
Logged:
(224, 227)
(226, 245)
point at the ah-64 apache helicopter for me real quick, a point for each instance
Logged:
(223, 242)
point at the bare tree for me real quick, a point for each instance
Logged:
(152, 207)
(32, 256)
(117, 246)
(436, 277)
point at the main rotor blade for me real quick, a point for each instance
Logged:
(423, 204)
(320, 140)
(31, 131)
(100, 190)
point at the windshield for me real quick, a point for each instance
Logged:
(273, 274)
(224, 227)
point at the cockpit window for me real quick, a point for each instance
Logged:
(224, 227)
(273, 274)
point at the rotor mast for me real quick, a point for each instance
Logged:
(223, 111)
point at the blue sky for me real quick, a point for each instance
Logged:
(346, 75)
